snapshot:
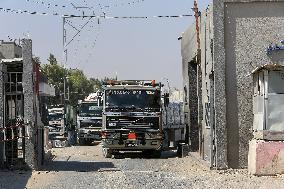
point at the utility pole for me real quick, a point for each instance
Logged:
(65, 59)
(65, 74)
(197, 15)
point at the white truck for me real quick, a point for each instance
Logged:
(61, 121)
(89, 119)
(57, 131)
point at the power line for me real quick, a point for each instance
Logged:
(102, 7)
(90, 16)
(123, 4)
(79, 31)
(48, 5)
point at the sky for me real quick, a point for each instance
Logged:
(129, 48)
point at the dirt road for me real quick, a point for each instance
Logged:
(85, 167)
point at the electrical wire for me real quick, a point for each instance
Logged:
(48, 5)
(78, 32)
(91, 16)
(123, 4)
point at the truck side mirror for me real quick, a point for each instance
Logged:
(166, 99)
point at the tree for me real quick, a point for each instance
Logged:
(55, 74)
(77, 83)
(98, 83)
(37, 60)
(52, 60)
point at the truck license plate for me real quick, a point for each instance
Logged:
(131, 143)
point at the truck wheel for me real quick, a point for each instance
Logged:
(88, 142)
(152, 153)
(107, 153)
(156, 153)
(81, 141)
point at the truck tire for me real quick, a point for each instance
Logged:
(88, 142)
(156, 153)
(152, 153)
(107, 153)
(81, 141)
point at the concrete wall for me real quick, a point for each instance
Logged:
(266, 157)
(33, 145)
(206, 66)
(244, 28)
(234, 37)
(201, 97)
(29, 105)
(2, 153)
(189, 53)
(10, 50)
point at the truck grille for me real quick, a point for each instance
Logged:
(55, 128)
(127, 121)
(97, 123)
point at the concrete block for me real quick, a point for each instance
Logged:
(183, 150)
(269, 135)
(266, 157)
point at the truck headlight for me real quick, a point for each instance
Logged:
(112, 124)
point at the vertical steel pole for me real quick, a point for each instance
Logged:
(64, 79)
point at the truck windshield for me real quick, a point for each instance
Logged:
(55, 117)
(90, 109)
(136, 99)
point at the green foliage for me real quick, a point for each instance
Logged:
(52, 60)
(98, 83)
(78, 86)
(37, 60)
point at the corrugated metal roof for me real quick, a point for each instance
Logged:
(268, 67)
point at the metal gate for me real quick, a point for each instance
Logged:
(14, 128)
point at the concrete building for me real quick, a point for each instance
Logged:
(21, 127)
(10, 50)
(234, 35)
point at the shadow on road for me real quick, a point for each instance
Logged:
(140, 155)
(14, 179)
(77, 166)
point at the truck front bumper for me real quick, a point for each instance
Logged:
(132, 145)
(94, 134)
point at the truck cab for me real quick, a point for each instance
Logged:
(132, 119)
(89, 120)
(57, 130)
